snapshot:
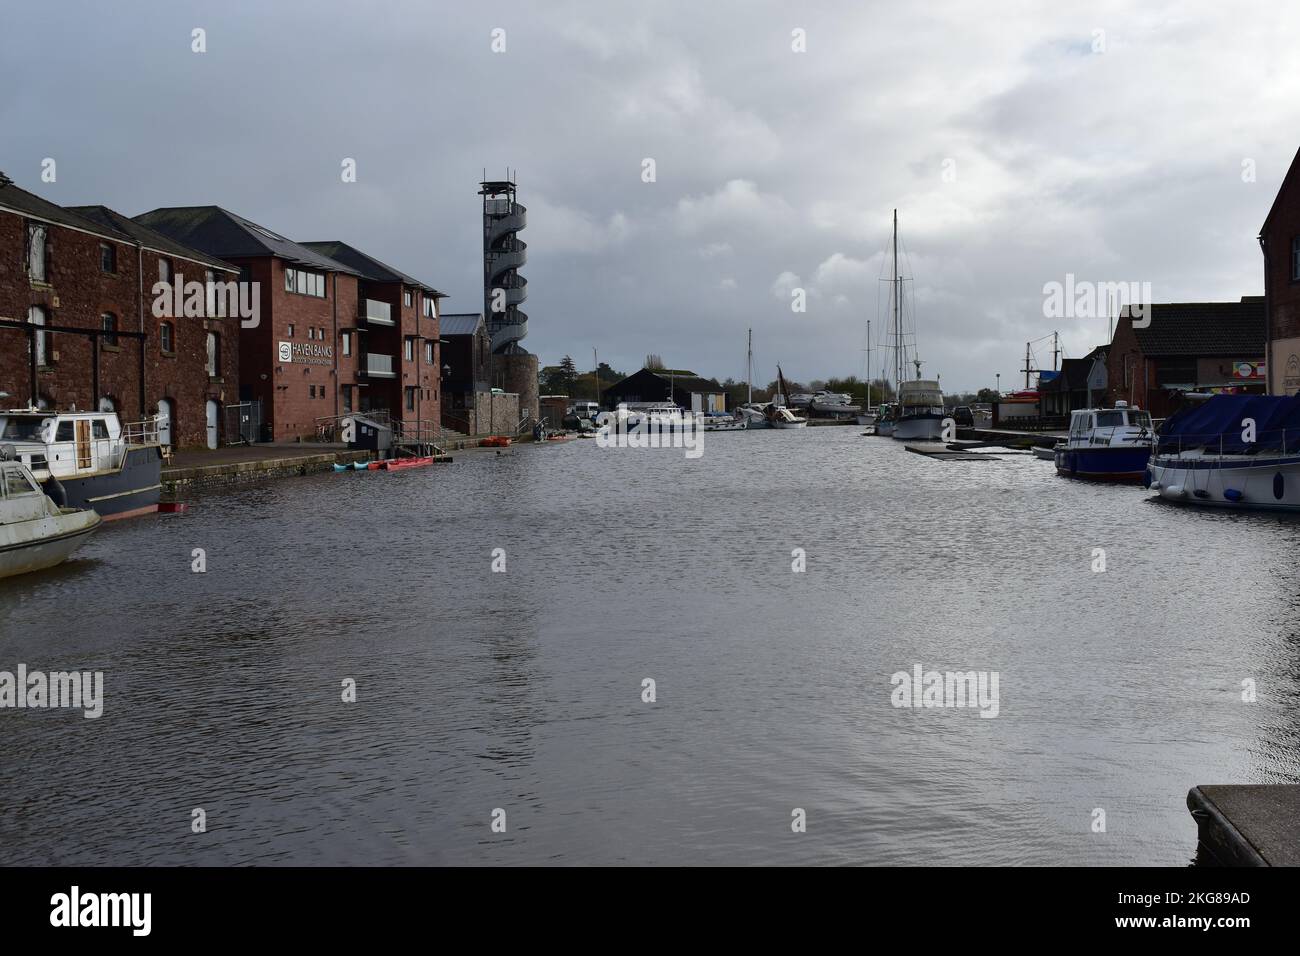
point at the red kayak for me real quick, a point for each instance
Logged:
(396, 464)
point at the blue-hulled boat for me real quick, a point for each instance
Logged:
(1107, 444)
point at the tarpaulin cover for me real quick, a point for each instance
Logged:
(1227, 418)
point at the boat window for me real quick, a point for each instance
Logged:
(99, 429)
(16, 483)
(1140, 420)
(23, 429)
(1110, 419)
(65, 432)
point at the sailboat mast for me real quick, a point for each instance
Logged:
(898, 320)
(869, 362)
(749, 367)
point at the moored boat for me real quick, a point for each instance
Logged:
(921, 416)
(1106, 444)
(35, 533)
(1234, 451)
(88, 459)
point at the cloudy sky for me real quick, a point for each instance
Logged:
(1018, 141)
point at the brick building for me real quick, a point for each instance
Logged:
(1279, 240)
(397, 322)
(86, 275)
(1187, 347)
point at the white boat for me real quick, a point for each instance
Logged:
(88, 459)
(834, 403)
(35, 533)
(1235, 451)
(723, 422)
(1046, 454)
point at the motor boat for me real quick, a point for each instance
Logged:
(35, 533)
(88, 459)
(1106, 444)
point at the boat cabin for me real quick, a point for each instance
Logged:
(21, 498)
(1104, 426)
(67, 444)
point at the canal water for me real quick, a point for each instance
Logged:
(522, 691)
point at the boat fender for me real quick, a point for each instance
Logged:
(1279, 486)
(1202, 493)
(55, 492)
(1174, 491)
(1232, 494)
(1155, 486)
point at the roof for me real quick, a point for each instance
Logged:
(1205, 328)
(1286, 181)
(132, 231)
(367, 266)
(221, 233)
(459, 323)
(674, 379)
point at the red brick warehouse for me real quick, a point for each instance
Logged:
(339, 331)
(91, 271)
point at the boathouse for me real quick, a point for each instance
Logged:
(686, 389)
(1182, 347)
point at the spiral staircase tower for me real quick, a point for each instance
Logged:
(504, 289)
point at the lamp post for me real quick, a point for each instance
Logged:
(999, 388)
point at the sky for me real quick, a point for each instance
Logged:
(1019, 142)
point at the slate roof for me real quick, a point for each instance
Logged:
(678, 380)
(21, 201)
(367, 266)
(459, 323)
(132, 231)
(1205, 328)
(222, 233)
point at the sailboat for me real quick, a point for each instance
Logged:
(868, 415)
(771, 414)
(919, 415)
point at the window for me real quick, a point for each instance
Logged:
(213, 364)
(108, 323)
(107, 257)
(428, 353)
(37, 234)
(311, 390)
(410, 399)
(304, 283)
(164, 270)
(430, 307)
(66, 432)
(210, 292)
(16, 483)
(347, 398)
(1178, 371)
(98, 429)
(1295, 259)
(406, 298)
(290, 332)
(408, 348)
(346, 338)
(167, 337)
(41, 340)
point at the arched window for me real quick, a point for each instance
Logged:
(214, 355)
(167, 337)
(106, 404)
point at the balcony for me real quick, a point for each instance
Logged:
(378, 365)
(377, 313)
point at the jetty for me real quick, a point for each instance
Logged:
(946, 452)
(1247, 824)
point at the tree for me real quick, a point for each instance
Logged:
(987, 395)
(653, 361)
(568, 372)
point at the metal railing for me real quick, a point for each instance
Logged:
(141, 433)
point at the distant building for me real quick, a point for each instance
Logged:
(85, 275)
(1187, 347)
(1279, 240)
(686, 389)
(470, 403)
(1081, 383)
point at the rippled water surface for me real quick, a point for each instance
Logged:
(522, 691)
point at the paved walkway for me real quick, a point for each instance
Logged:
(233, 454)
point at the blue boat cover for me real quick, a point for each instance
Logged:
(1226, 417)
